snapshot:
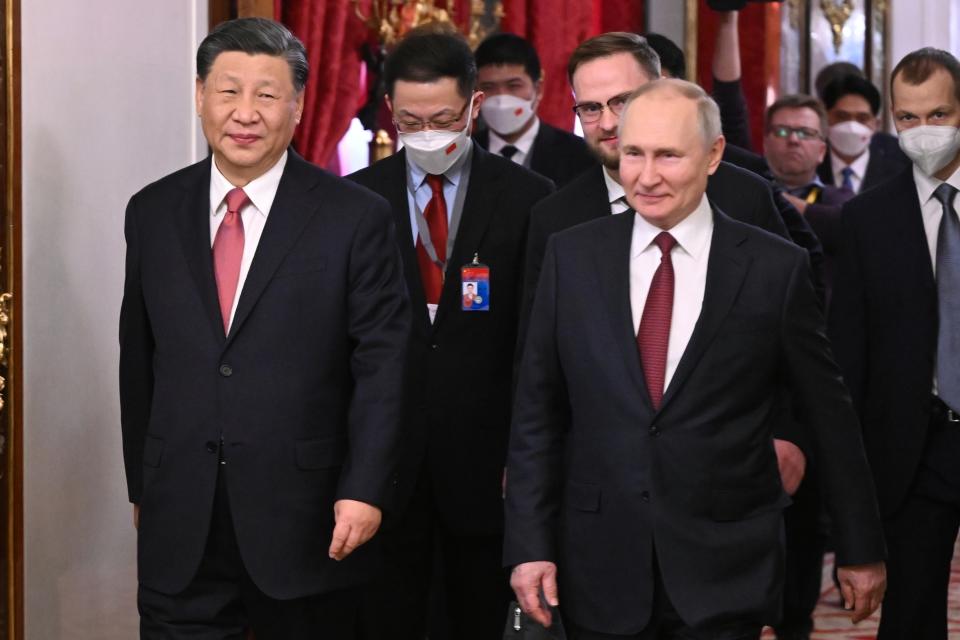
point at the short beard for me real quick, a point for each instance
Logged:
(613, 164)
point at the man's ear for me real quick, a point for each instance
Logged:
(715, 154)
(198, 96)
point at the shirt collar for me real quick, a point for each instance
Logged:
(261, 190)
(691, 234)
(523, 143)
(453, 175)
(859, 165)
(804, 190)
(926, 185)
(614, 189)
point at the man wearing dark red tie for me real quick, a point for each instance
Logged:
(462, 215)
(643, 494)
(263, 334)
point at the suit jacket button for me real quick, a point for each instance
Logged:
(211, 446)
(226, 370)
(654, 431)
(645, 496)
(434, 346)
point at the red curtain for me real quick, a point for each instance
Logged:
(333, 36)
(556, 27)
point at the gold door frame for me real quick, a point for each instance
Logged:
(11, 344)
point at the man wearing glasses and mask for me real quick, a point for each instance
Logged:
(461, 215)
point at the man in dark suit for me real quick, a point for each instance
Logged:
(794, 145)
(603, 71)
(455, 205)
(509, 75)
(895, 323)
(643, 481)
(260, 382)
(860, 157)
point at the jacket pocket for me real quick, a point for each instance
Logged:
(583, 497)
(740, 503)
(323, 453)
(152, 451)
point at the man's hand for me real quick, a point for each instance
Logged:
(356, 524)
(527, 580)
(792, 463)
(136, 517)
(862, 587)
(798, 203)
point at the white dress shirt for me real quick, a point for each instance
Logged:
(615, 194)
(523, 144)
(261, 192)
(690, 256)
(859, 167)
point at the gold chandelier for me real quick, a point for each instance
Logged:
(393, 19)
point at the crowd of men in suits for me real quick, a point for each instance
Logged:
(603, 363)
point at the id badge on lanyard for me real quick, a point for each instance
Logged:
(475, 286)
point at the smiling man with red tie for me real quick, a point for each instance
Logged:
(262, 340)
(643, 492)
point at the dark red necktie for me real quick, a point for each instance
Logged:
(653, 336)
(228, 252)
(431, 273)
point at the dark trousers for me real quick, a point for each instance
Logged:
(920, 543)
(805, 542)
(223, 603)
(436, 582)
(665, 624)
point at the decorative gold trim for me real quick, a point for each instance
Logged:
(393, 19)
(795, 9)
(10, 280)
(837, 14)
(691, 24)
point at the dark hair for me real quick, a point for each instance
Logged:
(671, 56)
(917, 67)
(851, 85)
(427, 57)
(832, 71)
(507, 48)
(798, 101)
(608, 44)
(253, 36)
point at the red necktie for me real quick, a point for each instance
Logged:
(431, 273)
(653, 337)
(227, 253)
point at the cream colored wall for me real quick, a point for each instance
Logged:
(107, 108)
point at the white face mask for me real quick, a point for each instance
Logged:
(850, 138)
(436, 151)
(931, 147)
(506, 114)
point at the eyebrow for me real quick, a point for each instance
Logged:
(445, 110)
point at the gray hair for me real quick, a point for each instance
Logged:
(254, 36)
(708, 113)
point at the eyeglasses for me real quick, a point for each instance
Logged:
(437, 124)
(591, 111)
(803, 133)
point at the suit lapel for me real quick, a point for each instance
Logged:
(395, 191)
(483, 191)
(613, 267)
(726, 268)
(292, 208)
(910, 237)
(193, 224)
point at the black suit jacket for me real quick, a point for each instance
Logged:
(886, 162)
(883, 325)
(599, 481)
(304, 391)
(555, 154)
(458, 384)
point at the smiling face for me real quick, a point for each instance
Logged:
(792, 160)
(248, 108)
(597, 81)
(664, 159)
